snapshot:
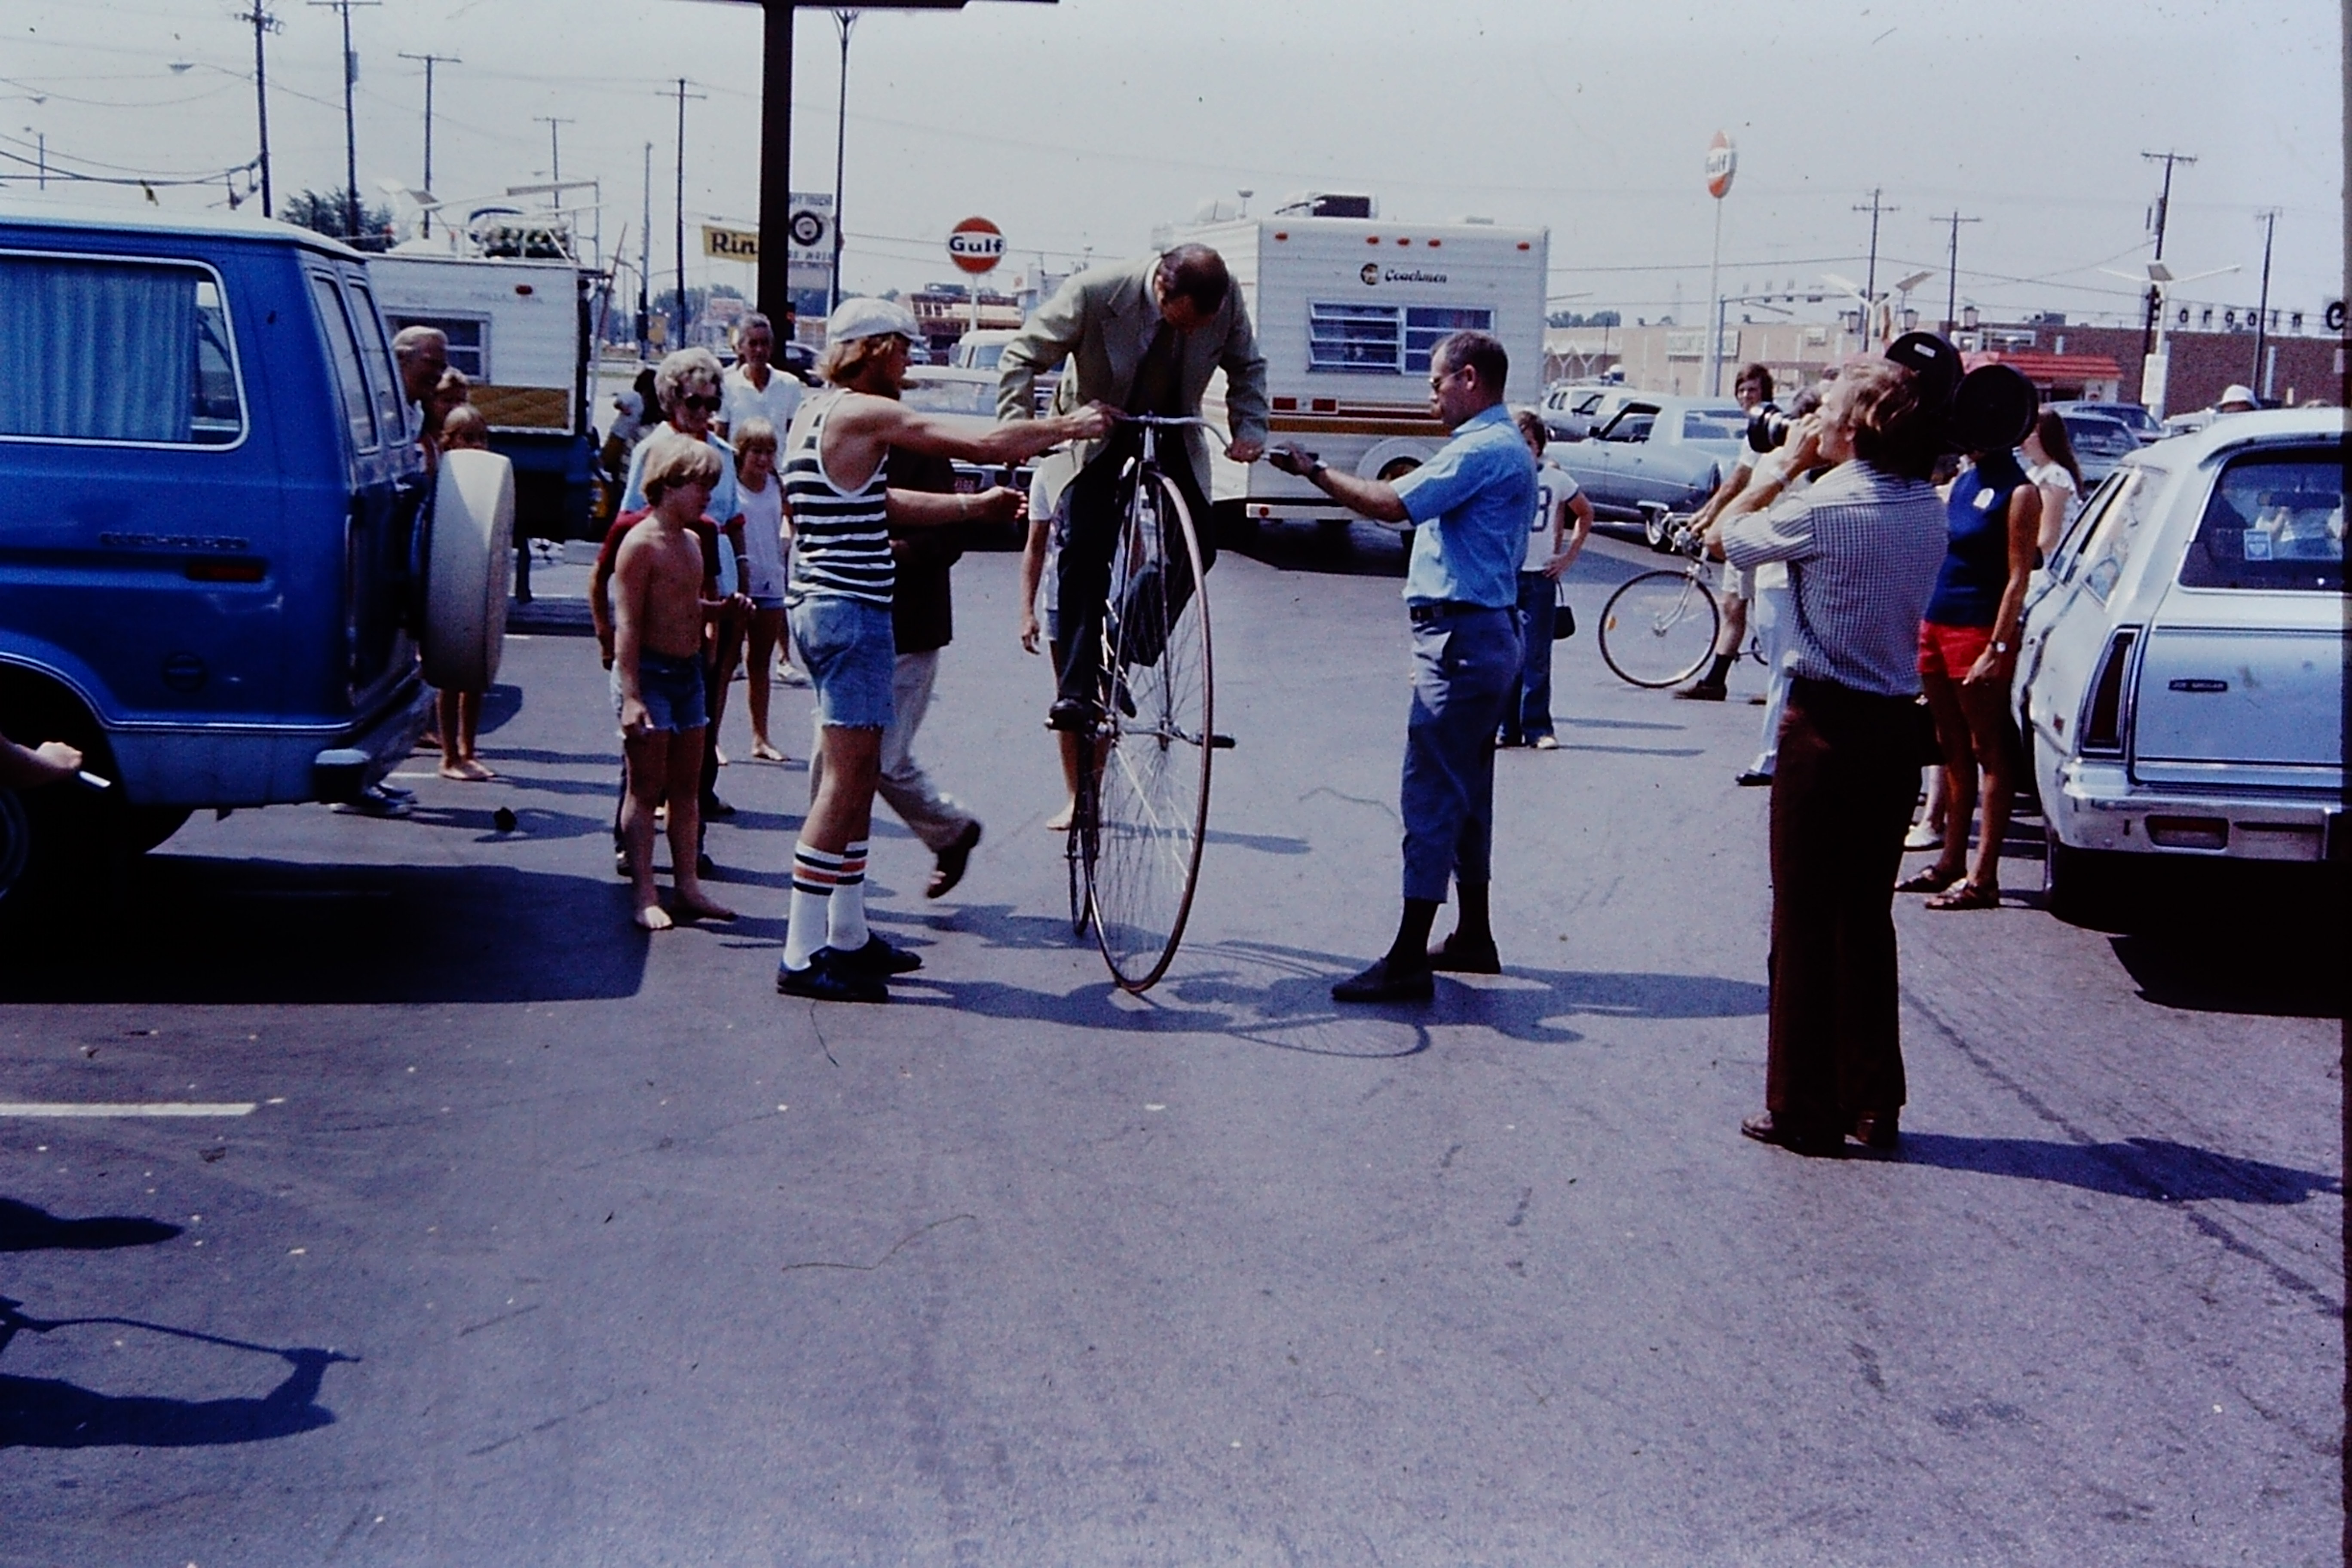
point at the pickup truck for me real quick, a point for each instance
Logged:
(1656, 454)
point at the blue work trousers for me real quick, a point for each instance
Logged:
(1464, 667)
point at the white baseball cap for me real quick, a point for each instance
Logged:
(2235, 394)
(870, 318)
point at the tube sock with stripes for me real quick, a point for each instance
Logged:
(846, 914)
(815, 876)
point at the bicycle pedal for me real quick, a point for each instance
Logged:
(1221, 743)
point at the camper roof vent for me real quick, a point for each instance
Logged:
(1327, 204)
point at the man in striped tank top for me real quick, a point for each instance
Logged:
(836, 488)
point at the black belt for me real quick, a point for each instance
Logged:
(1445, 609)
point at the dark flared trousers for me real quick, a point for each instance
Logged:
(1842, 798)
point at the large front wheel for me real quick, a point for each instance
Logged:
(1152, 800)
(1658, 629)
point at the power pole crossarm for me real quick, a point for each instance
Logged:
(429, 62)
(264, 23)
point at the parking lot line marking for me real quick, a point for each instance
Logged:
(167, 1108)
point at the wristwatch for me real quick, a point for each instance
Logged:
(1316, 471)
(2001, 647)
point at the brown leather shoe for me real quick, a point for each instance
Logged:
(1877, 1129)
(1765, 1128)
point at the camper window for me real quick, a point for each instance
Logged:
(467, 351)
(1384, 339)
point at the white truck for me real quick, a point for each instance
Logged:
(1347, 310)
(517, 328)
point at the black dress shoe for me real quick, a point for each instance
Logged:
(1767, 1129)
(1383, 984)
(1878, 1129)
(951, 862)
(1072, 715)
(1455, 956)
(1702, 692)
(825, 979)
(714, 808)
(1752, 779)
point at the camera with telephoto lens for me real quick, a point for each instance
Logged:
(1768, 430)
(1988, 408)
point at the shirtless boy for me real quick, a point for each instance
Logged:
(659, 599)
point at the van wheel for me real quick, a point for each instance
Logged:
(2083, 887)
(468, 570)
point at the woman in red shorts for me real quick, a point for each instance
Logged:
(1968, 652)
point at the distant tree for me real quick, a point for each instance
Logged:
(329, 213)
(1577, 319)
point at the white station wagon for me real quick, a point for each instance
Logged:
(2182, 682)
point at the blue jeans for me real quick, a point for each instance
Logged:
(850, 650)
(1463, 669)
(1528, 713)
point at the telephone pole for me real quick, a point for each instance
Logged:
(351, 124)
(430, 61)
(1870, 279)
(846, 21)
(1952, 285)
(554, 149)
(264, 23)
(683, 319)
(645, 258)
(2262, 312)
(2163, 211)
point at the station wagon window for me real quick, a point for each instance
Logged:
(2108, 545)
(2276, 521)
(344, 348)
(127, 352)
(383, 380)
(469, 340)
(1383, 339)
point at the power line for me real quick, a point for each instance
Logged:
(264, 23)
(429, 60)
(351, 124)
(1952, 288)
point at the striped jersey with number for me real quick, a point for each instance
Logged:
(841, 539)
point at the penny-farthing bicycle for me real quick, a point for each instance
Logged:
(1143, 804)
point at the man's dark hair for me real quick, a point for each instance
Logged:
(1759, 375)
(1196, 273)
(1892, 429)
(1476, 351)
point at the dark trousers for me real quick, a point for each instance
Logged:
(1842, 798)
(1528, 715)
(1090, 538)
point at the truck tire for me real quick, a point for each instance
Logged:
(469, 564)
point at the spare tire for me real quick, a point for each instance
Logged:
(468, 570)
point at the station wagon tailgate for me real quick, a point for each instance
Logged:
(2265, 701)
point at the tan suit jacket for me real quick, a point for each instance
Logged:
(1101, 322)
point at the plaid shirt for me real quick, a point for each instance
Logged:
(1863, 548)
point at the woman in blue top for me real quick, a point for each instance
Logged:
(1967, 654)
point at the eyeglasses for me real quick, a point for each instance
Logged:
(1437, 383)
(708, 405)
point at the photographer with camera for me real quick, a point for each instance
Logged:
(1753, 389)
(1863, 546)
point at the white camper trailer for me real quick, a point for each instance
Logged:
(1347, 310)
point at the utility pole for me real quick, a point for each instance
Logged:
(645, 258)
(430, 61)
(2163, 211)
(350, 131)
(1952, 286)
(683, 318)
(554, 149)
(264, 23)
(2262, 312)
(844, 20)
(1870, 279)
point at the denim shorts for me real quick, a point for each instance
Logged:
(672, 689)
(767, 601)
(850, 649)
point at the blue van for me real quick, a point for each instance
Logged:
(214, 535)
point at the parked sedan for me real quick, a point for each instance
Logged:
(2100, 442)
(952, 389)
(1656, 454)
(2131, 416)
(2181, 682)
(1573, 412)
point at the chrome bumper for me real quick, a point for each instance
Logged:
(2099, 806)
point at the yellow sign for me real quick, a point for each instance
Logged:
(730, 244)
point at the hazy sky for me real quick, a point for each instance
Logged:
(1077, 126)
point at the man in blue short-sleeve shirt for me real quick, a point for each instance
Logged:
(1470, 505)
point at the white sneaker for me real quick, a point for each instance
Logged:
(1922, 836)
(1545, 743)
(791, 674)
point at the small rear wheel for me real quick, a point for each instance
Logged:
(1658, 629)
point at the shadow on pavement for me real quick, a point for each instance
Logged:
(2151, 1168)
(197, 930)
(2285, 974)
(48, 1413)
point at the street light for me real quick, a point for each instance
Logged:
(2161, 278)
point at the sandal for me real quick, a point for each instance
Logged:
(1967, 896)
(1934, 879)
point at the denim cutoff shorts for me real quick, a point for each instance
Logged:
(672, 689)
(850, 650)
